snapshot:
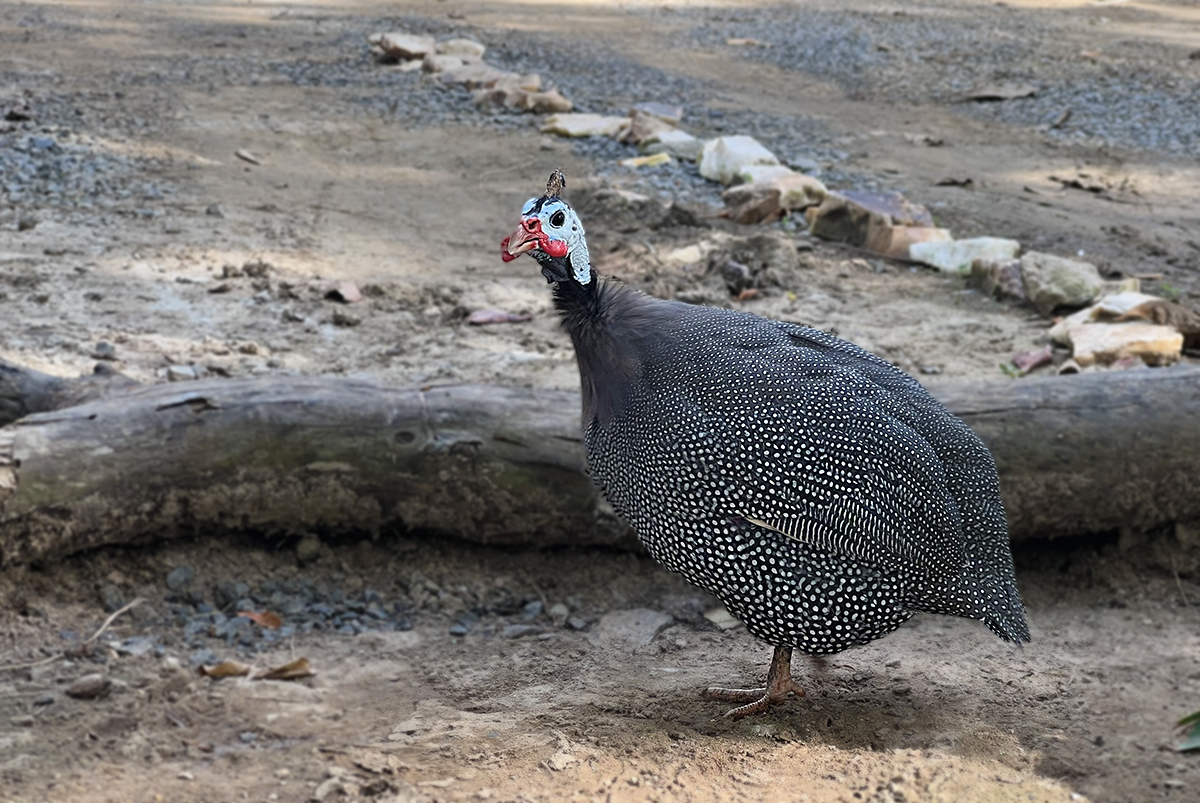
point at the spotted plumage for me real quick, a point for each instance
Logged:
(821, 493)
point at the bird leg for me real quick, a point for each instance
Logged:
(779, 685)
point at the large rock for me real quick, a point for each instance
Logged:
(724, 157)
(643, 126)
(578, 124)
(850, 217)
(767, 199)
(1106, 343)
(1053, 281)
(1127, 306)
(956, 256)
(673, 142)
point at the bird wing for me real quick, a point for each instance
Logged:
(875, 491)
(831, 447)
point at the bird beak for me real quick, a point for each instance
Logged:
(524, 239)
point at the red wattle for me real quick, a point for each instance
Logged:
(555, 248)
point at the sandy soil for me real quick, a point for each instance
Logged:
(174, 275)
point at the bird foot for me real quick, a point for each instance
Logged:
(780, 685)
(756, 701)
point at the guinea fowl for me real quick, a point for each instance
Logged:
(820, 492)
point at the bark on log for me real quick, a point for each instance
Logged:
(286, 456)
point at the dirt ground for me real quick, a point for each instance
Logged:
(204, 259)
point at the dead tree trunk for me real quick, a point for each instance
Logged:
(285, 456)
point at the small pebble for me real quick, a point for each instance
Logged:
(89, 687)
(181, 577)
(520, 631)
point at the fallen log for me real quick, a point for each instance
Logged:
(284, 456)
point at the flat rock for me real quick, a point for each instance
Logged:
(474, 76)
(851, 217)
(1054, 281)
(440, 62)
(578, 124)
(403, 46)
(673, 142)
(632, 629)
(956, 256)
(893, 205)
(517, 98)
(724, 157)
(1115, 307)
(767, 198)
(89, 687)
(464, 48)
(897, 242)
(1107, 343)
(754, 173)
(643, 126)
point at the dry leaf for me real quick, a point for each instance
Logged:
(746, 42)
(264, 619)
(225, 669)
(296, 670)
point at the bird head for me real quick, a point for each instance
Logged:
(551, 233)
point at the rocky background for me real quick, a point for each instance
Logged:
(231, 191)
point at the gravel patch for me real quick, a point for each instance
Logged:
(1125, 94)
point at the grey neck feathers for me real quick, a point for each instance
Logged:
(613, 328)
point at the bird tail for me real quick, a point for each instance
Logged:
(1004, 614)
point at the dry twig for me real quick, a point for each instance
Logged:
(90, 640)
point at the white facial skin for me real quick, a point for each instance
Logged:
(550, 226)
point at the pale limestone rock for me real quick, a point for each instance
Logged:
(644, 126)
(724, 157)
(1118, 307)
(752, 173)
(653, 160)
(766, 199)
(663, 111)
(474, 76)
(956, 256)
(434, 62)
(798, 191)
(464, 48)
(1106, 343)
(673, 142)
(578, 124)
(1053, 281)
(404, 46)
